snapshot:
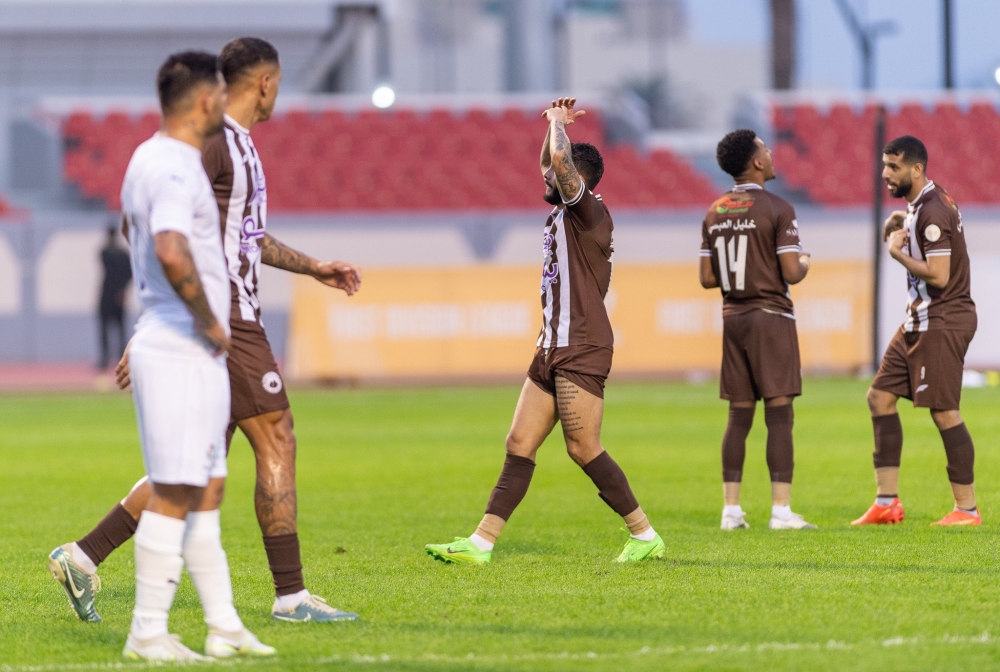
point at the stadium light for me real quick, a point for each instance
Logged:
(383, 97)
(996, 75)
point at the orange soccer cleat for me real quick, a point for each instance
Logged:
(889, 514)
(959, 517)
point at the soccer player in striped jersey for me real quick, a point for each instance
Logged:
(750, 250)
(926, 357)
(260, 407)
(573, 358)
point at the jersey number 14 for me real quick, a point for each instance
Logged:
(737, 258)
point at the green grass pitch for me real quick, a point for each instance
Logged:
(382, 472)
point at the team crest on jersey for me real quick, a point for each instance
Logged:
(271, 382)
(252, 232)
(550, 268)
(733, 204)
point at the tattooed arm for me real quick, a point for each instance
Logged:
(178, 265)
(560, 116)
(338, 274)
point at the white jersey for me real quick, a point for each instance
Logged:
(166, 189)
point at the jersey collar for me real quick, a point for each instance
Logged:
(747, 186)
(923, 192)
(235, 124)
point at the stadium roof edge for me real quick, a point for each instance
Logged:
(824, 99)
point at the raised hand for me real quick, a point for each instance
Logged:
(562, 111)
(339, 274)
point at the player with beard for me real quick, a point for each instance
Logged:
(260, 406)
(751, 251)
(926, 357)
(566, 378)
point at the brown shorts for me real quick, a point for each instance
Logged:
(586, 366)
(257, 387)
(925, 367)
(760, 357)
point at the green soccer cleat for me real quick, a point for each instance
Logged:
(461, 551)
(80, 585)
(313, 608)
(636, 549)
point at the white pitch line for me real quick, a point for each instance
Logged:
(762, 647)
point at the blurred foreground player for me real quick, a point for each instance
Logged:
(180, 384)
(566, 378)
(750, 249)
(260, 406)
(926, 357)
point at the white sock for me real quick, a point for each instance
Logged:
(158, 566)
(974, 510)
(734, 510)
(481, 543)
(884, 501)
(209, 569)
(781, 512)
(82, 559)
(648, 535)
(289, 602)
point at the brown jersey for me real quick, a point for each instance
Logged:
(578, 254)
(743, 233)
(237, 176)
(935, 228)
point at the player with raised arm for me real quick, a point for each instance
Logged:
(178, 354)
(260, 406)
(566, 378)
(926, 357)
(750, 249)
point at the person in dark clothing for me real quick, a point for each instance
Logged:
(117, 276)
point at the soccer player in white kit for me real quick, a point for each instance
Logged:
(180, 384)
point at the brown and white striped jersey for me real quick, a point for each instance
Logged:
(743, 233)
(578, 253)
(237, 176)
(934, 225)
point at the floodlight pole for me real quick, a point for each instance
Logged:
(877, 234)
(949, 66)
(866, 36)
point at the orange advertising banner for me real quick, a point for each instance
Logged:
(484, 320)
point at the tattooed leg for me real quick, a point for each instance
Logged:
(273, 441)
(580, 413)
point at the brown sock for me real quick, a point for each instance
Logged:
(114, 530)
(734, 443)
(780, 450)
(286, 565)
(961, 454)
(511, 487)
(612, 485)
(888, 440)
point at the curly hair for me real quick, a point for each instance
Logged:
(589, 163)
(910, 148)
(736, 150)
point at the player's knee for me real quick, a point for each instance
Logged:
(946, 419)
(519, 445)
(582, 451)
(881, 403)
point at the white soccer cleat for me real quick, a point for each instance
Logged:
(162, 647)
(221, 644)
(795, 522)
(731, 522)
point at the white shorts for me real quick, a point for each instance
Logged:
(181, 395)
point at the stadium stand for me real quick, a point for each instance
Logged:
(396, 160)
(827, 155)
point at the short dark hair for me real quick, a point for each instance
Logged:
(243, 54)
(909, 147)
(589, 163)
(181, 73)
(735, 151)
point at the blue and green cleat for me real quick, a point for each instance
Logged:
(80, 586)
(313, 608)
(462, 551)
